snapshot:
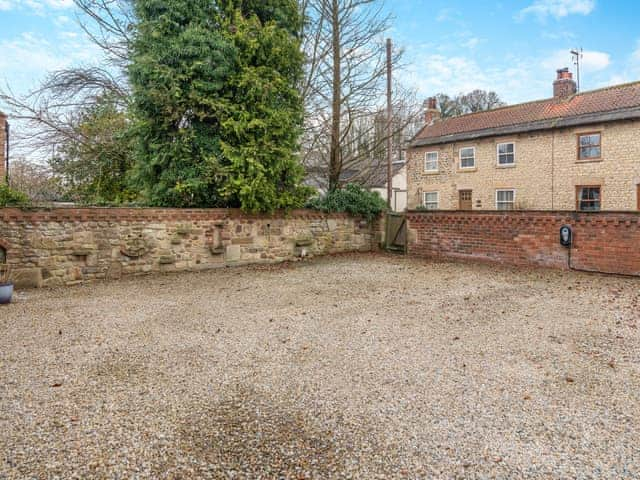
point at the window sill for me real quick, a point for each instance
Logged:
(590, 160)
(506, 166)
(467, 169)
(432, 172)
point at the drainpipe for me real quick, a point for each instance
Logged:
(553, 169)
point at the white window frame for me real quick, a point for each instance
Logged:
(424, 200)
(506, 190)
(426, 160)
(460, 158)
(513, 164)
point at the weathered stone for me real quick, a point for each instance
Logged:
(134, 247)
(183, 230)
(69, 247)
(53, 282)
(243, 241)
(304, 242)
(114, 271)
(233, 253)
(27, 278)
(166, 259)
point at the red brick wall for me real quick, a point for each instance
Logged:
(607, 242)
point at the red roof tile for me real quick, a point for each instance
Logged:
(619, 97)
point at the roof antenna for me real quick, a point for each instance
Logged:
(577, 55)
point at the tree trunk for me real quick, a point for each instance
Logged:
(335, 158)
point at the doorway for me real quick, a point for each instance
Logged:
(466, 200)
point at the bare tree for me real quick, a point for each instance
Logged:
(344, 87)
(49, 115)
(35, 180)
(472, 102)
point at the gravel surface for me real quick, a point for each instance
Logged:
(365, 367)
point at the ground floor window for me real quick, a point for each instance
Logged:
(589, 198)
(505, 199)
(431, 200)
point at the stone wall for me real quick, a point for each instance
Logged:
(54, 247)
(546, 171)
(605, 242)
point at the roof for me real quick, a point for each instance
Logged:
(619, 102)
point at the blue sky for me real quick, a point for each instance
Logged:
(451, 46)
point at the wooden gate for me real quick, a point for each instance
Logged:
(396, 233)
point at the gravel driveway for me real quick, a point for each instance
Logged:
(348, 367)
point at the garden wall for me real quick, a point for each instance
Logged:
(607, 242)
(67, 246)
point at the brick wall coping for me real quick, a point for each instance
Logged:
(89, 214)
(524, 212)
(525, 216)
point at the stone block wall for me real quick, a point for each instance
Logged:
(605, 242)
(67, 246)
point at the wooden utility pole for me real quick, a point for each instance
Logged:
(335, 153)
(389, 129)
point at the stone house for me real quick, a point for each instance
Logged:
(4, 130)
(575, 151)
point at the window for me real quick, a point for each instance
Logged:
(506, 154)
(505, 199)
(431, 162)
(431, 200)
(589, 146)
(589, 199)
(468, 157)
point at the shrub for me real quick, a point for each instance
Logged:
(10, 197)
(351, 199)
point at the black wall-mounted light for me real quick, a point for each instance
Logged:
(566, 236)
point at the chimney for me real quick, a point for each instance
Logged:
(431, 112)
(564, 86)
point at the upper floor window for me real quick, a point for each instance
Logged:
(589, 198)
(468, 157)
(431, 162)
(506, 154)
(431, 200)
(505, 199)
(589, 146)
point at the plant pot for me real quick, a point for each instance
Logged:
(6, 292)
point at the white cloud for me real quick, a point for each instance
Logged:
(38, 6)
(517, 81)
(473, 42)
(592, 61)
(30, 56)
(558, 8)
